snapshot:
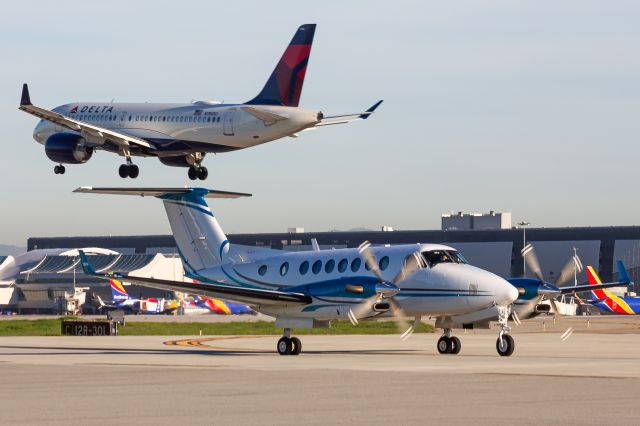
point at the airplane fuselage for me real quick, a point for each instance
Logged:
(178, 129)
(443, 288)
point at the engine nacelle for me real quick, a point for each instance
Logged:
(67, 148)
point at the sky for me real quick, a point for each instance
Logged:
(530, 107)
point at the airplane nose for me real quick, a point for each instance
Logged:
(508, 293)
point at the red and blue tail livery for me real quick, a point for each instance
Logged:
(284, 86)
(609, 302)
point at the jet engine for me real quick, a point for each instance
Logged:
(67, 148)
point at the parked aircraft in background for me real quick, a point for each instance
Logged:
(181, 135)
(122, 301)
(310, 288)
(609, 302)
(538, 296)
(221, 307)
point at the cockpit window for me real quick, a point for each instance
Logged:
(434, 257)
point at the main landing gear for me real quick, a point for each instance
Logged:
(198, 172)
(128, 170)
(59, 169)
(505, 345)
(288, 345)
(449, 344)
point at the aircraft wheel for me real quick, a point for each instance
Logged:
(444, 345)
(284, 346)
(134, 171)
(123, 171)
(296, 346)
(203, 173)
(61, 169)
(506, 345)
(56, 170)
(456, 345)
(193, 173)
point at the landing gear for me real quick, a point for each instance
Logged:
(129, 169)
(288, 345)
(505, 345)
(449, 344)
(59, 170)
(198, 172)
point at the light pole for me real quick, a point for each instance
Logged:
(524, 225)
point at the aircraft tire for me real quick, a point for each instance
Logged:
(444, 345)
(284, 346)
(203, 173)
(456, 345)
(507, 347)
(56, 170)
(123, 171)
(193, 173)
(134, 171)
(296, 346)
(61, 169)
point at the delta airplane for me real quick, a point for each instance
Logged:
(180, 135)
(309, 289)
(609, 302)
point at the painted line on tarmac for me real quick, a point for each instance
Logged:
(200, 342)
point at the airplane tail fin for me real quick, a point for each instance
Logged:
(200, 240)
(623, 276)
(118, 292)
(594, 279)
(284, 86)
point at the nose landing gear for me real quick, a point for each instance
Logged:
(505, 345)
(59, 169)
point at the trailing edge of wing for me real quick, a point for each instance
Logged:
(159, 192)
(589, 287)
(346, 118)
(120, 139)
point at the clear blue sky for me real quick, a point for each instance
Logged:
(525, 106)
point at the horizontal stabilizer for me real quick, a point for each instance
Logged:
(266, 116)
(160, 192)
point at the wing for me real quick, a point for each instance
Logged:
(588, 287)
(248, 296)
(345, 118)
(88, 131)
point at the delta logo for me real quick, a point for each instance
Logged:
(92, 109)
(74, 110)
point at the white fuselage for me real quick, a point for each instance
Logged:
(441, 289)
(182, 128)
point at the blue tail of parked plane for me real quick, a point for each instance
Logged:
(284, 86)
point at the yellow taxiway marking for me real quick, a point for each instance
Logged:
(199, 342)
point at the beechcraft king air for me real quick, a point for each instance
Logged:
(310, 288)
(180, 135)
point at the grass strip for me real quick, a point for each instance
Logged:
(51, 327)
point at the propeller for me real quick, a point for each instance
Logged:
(412, 264)
(547, 290)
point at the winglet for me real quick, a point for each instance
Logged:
(622, 273)
(25, 99)
(86, 266)
(370, 111)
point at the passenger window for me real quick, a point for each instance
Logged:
(304, 267)
(355, 264)
(284, 268)
(328, 268)
(342, 266)
(262, 270)
(129, 118)
(317, 266)
(384, 263)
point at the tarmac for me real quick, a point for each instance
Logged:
(591, 378)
